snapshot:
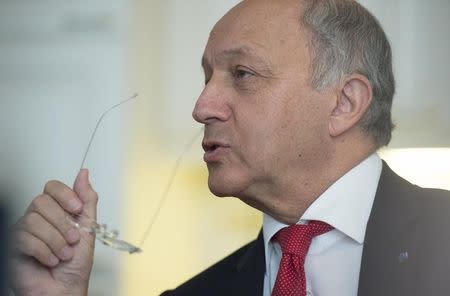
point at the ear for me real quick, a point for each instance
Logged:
(353, 100)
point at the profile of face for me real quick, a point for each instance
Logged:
(266, 128)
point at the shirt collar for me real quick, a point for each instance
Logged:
(345, 205)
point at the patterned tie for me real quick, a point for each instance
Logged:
(294, 241)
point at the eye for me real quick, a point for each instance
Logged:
(241, 72)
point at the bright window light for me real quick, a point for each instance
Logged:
(426, 167)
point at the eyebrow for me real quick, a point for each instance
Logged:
(238, 52)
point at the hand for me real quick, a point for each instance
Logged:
(51, 256)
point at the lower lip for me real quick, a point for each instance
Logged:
(215, 155)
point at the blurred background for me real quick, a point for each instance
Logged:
(62, 63)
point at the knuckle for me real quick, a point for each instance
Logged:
(57, 243)
(58, 191)
(19, 240)
(41, 251)
(64, 191)
(65, 224)
(40, 202)
(28, 245)
(49, 185)
(17, 237)
(24, 242)
(29, 220)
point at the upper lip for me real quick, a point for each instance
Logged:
(211, 144)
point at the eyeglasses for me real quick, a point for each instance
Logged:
(108, 237)
(101, 232)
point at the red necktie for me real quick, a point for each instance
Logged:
(295, 241)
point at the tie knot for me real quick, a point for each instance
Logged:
(296, 238)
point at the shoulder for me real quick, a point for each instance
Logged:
(432, 239)
(404, 210)
(434, 206)
(406, 195)
(430, 207)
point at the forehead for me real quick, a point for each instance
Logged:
(267, 28)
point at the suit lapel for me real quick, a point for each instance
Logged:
(250, 271)
(391, 239)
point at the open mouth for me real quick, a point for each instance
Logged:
(210, 147)
(214, 150)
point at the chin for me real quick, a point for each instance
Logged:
(220, 189)
(223, 185)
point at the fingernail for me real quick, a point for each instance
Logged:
(73, 235)
(66, 253)
(53, 260)
(75, 205)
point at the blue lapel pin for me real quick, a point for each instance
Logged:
(403, 257)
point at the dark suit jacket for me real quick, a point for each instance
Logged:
(406, 249)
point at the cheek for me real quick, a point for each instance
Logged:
(261, 128)
(254, 128)
(263, 144)
(310, 138)
(301, 130)
(273, 127)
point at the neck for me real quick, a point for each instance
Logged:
(287, 199)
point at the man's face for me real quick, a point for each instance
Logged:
(265, 126)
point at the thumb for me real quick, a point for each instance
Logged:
(86, 193)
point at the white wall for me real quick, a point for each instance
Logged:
(419, 35)
(61, 64)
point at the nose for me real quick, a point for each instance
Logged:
(212, 105)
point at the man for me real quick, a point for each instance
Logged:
(296, 101)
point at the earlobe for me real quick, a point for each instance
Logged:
(352, 101)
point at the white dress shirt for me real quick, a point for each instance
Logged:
(333, 261)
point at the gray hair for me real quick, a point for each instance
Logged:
(347, 39)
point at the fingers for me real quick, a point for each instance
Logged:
(44, 232)
(64, 196)
(45, 206)
(86, 193)
(31, 246)
(36, 231)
